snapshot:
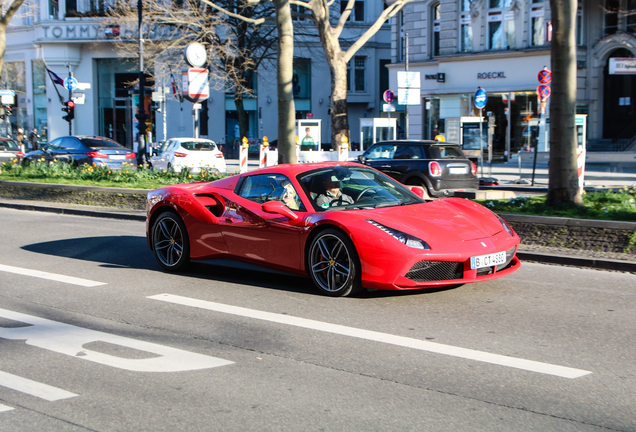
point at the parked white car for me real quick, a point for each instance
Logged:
(196, 154)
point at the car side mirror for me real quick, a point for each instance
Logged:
(277, 207)
(417, 190)
(362, 159)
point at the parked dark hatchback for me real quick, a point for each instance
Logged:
(439, 166)
(79, 150)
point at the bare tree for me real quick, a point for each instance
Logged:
(337, 56)
(563, 176)
(9, 9)
(236, 48)
(286, 107)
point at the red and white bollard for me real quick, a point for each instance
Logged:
(262, 156)
(243, 156)
(343, 153)
(580, 164)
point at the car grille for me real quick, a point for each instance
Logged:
(428, 271)
(510, 253)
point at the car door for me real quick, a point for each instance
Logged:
(53, 150)
(407, 159)
(255, 235)
(160, 161)
(380, 157)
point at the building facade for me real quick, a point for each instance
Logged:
(67, 36)
(501, 46)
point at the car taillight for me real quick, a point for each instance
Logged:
(19, 154)
(97, 155)
(474, 168)
(177, 154)
(131, 156)
(219, 155)
(435, 169)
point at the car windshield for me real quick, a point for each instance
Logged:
(198, 145)
(348, 188)
(100, 142)
(8, 145)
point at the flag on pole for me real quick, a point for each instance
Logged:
(174, 86)
(55, 78)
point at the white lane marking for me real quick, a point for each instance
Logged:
(50, 276)
(71, 340)
(33, 388)
(4, 408)
(513, 362)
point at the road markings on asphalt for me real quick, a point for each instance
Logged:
(73, 341)
(4, 408)
(434, 347)
(50, 276)
(33, 388)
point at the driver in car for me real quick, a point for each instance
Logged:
(332, 195)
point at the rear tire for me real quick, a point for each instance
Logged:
(333, 264)
(170, 242)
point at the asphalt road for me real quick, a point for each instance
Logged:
(93, 336)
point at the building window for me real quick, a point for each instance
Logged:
(631, 16)
(298, 12)
(359, 70)
(402, 38)
(538, 28)
(611, 16)
(501, 25)
(465, 27)
(357, 13)
(436, 15)
(54, 9)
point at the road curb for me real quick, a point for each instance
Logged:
(75, 212)
(602, 264)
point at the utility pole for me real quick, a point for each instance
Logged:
(406, 107)
(141, 114)
(70, 97)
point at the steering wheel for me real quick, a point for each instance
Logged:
(336, 201)
(364, 191)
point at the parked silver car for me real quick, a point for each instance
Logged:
(195, 154)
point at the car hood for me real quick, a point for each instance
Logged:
(445, 219)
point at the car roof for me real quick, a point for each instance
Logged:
(191, 139)
(416, 142)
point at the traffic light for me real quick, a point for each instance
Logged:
(69, 109)
(7, 110)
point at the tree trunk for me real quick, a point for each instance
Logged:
(339, 114)
(563, 174)
(286, 107)
(241, 113)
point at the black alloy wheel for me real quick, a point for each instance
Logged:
(333, 264)
(170, 242)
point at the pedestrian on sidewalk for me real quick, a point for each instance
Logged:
(34, 139)
(20, 138)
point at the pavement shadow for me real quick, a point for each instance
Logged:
(133, 252)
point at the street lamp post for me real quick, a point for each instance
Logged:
(141, 114)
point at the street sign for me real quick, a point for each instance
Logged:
(79, 98)
(7, 92)
(70, 83)
(480, 98)
(387, 107)
(196, 84)
(545, 76)
(409, 79)
(409, 96)
(543, 91)
(388, 96)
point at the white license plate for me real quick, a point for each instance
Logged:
(457, 170)
(117, 157)
(487, 260)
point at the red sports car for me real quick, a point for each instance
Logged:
(344, 224)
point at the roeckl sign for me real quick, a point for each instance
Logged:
(491, 75)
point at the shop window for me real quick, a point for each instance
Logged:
(465, 27)
(436, 16)
(301, 79)
(357, 13)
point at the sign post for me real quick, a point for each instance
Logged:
(388, 97)
(480, 103)
(543, 93)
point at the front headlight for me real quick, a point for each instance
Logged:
(402, 237)
(505, 225)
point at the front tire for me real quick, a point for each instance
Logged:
(334, 265)
(170, 242)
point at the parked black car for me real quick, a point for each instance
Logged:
(441, 167)
(79, 150)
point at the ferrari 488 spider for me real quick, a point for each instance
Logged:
(345, 225)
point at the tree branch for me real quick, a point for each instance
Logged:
(258, 21)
